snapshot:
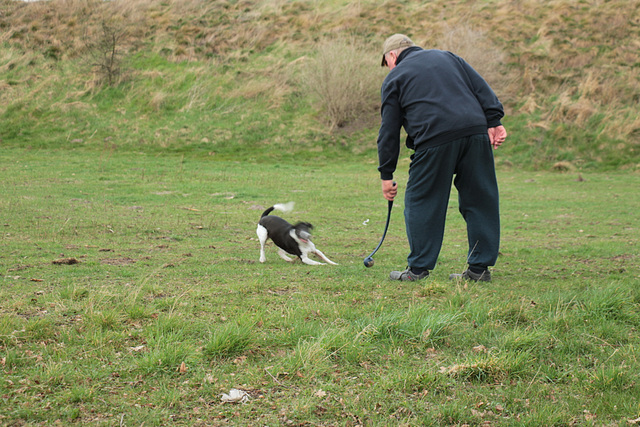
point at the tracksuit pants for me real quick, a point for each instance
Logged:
(469, 163)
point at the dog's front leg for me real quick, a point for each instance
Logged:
(262, 236)
(284, 256)
(305, 258)
(321, 255)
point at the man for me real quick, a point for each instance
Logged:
(452, 119)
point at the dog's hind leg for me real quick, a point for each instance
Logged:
(324, 258)
(283, 255)
(263, 234)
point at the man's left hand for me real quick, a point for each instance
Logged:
(497, 135)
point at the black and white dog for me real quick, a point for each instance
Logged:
(290, 239)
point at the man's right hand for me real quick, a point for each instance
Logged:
(389, 189)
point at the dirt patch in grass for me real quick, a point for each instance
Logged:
(118, 261)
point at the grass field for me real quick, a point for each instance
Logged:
(141, 140)
(132, 294)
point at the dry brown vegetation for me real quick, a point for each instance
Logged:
(563, 62)
(343, 87)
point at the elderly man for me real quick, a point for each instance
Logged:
(452, 120)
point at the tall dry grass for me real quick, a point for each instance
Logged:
(577, 61)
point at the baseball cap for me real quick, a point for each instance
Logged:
(394, 42)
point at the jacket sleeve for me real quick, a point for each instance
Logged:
(491, 106)
(389, 134)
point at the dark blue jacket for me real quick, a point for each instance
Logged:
(437, 97)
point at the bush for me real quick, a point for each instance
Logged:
(105, 51)
(346, 80)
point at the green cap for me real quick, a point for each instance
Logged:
(394, 42)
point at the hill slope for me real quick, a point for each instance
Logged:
(226, 76)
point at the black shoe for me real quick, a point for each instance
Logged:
(408, 275)
(485, 276)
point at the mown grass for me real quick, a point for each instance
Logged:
(131, 293)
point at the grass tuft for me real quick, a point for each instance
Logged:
(229, 341)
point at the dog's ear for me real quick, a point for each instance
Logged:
(304, 224)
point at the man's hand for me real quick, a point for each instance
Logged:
(389, 189)
(497, 135)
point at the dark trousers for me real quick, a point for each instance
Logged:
(470, 161)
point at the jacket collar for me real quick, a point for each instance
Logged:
(405, 52)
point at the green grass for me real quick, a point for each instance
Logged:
(167, 306)
(131, 292)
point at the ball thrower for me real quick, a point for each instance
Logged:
(368, 261)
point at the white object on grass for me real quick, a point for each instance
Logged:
(235, 396)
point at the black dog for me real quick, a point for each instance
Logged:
(290, 239)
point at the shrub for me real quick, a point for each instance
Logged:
(105, 51)
(344, 78)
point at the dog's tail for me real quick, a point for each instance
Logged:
(283, 207)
